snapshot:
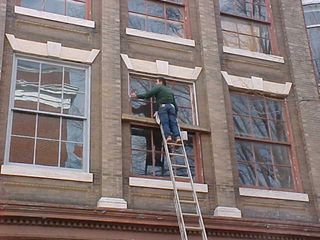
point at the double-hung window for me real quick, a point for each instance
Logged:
(312, 18)
(262, 142)
(71, 8)
(159, 16)
(247, 24)
(148, 157)
(48, 121)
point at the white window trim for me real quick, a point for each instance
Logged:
(280, 195)
(54, 17)
(257, 84)
(86, 120)
(160, 37)
(306, 2)
(45, 172)
(165, 184)
(251, 54)
(160, 67)
(52, 49)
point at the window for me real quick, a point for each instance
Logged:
(49, 115)
(262, 145)
(312, 18)
(247, 24)
(71, 8)
(158, 16)
(184, 96)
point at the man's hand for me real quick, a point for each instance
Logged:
(133, 95)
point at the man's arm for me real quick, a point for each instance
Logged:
(150, 93)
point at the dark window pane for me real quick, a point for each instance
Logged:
(136, 22)
(76, 9)
(280, 155)
(27, 84)
(266, 177)
(284, 177)
(240, 104)
(244, 151)
(175, 13)
(278, 131)
(71, 155)
(260, 12)
(48, 127)
(23, 124)
(141, 108)
(175, 29)
(51, 88)
(247, 175)
(76, 106)
(47, 153)
(55, 6)
(262, 153)
(72, 130)
(185, 115)
(136, 6)
(257, 107)
(74, 80)
(242, 126)
(155, 9)
(141, 138)
(159, 165)
(181, 94)
(21, 150)
(34, 4)
(312, 14)
(156, 26)
(139, 163)
(237, 7)
(260, 128)
(275, 111)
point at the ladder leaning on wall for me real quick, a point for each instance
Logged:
(185, 198)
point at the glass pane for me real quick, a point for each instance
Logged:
(185, 115)
(74, 80)
(230, 39)
(262, 153)
(155, 26)
(175, 13)
(260, 128)
(266, 176)
(175, 29)
(51, 88)
(136, 22)
(141, 161)
(55, 6)
(280, 155)
(237, 7)
(278, 131)
(182, 95)
(48, 127)
(159, 168)
(155, 9)
(244, 151)
(23, 124)
(72, 130)
(34, 4)
(284, 177)
(257, 106)
(260, 12)
(249, 43)
(136, 6)
(47, 153)
(141, 138)
(77, 105)
(229, 24)
(265, 45)
(71, 155)
(312, 14)
(240, 104)
(247, 175)
(141, 107)
(21, 150)
(275, 111)
(76, 9)
(27, 84)
(242, 126)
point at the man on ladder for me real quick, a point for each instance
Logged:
(167, 109)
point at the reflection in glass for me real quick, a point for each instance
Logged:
(48, 127)
(156, 26)
(34, 4)
(244, 151)
(278, 132)
(260, 128)
(247, 175)
(72, 130)
(23, 124)
(175, 29)
(275, 110)
(47, 153)
(76, 9)
(71, 155)
(312, 14)
(266, 177)
(281, 155)
(136, 22)
(242, 125)
(55, 6)
(262, 153)
(174, 13)
(136, 6)
(283, 177)
(140, 138)
(21, 150)
(239, 104)
(155, 9)
(139, 163)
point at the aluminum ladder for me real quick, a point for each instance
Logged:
(181, 202)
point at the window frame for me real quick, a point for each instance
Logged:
(186, 22)
(85, 118)
(269, 22)
(294, 165)
(88, 14)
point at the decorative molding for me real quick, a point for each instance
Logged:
(165, 184)
(52, 49)
(46, 172)
(227, 212)
(160, 37)
(106, 202)
(306, 2)
(161, 68)
(250, 54)
(261, 193)
(257, 84)
(54, 17)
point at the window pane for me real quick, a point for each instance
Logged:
(141, 138)
(23, 124)
(71, 155)
(247, 175)
(275, 111)
(260, 128)
(249, 43)
(155, 26)
(185, 115)
(244, 151)
(76, 9)
(48, 127)
(34, 4)
(280, 154)
(175, 13)
(181, 94)
(55, 6)
(77, 105)
(278, 131)
(27, 84)
(136, 6)
(74, 80)
(262, 153)
(266, 177)
(229, 24)
(51, 88)
(312, 14)
(21, 150)
(237, 7)
(47, 153)
(257, 106)
(159, 169)
(284, 177)
(136, 22)
(72, 130)
(240, 104)
(242, 126)
(175, 29)
(260, 12)
(139, 163)
(155, 9)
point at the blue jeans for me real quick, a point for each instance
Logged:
(168, 119)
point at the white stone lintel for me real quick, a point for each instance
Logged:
(233, 212)
(306, 2)
(107, 202)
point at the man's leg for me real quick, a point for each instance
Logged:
(173, 122)
(164, 119)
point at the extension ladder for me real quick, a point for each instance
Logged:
(181, 201)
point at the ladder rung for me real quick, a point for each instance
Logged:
(191, 214)
(175, 144)
(188, 201)
(180, 166)
(194, 228)
(177, 154)
(183, 177)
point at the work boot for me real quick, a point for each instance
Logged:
(169, 139)
(178, 140)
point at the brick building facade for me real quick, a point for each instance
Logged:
(82, 160)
